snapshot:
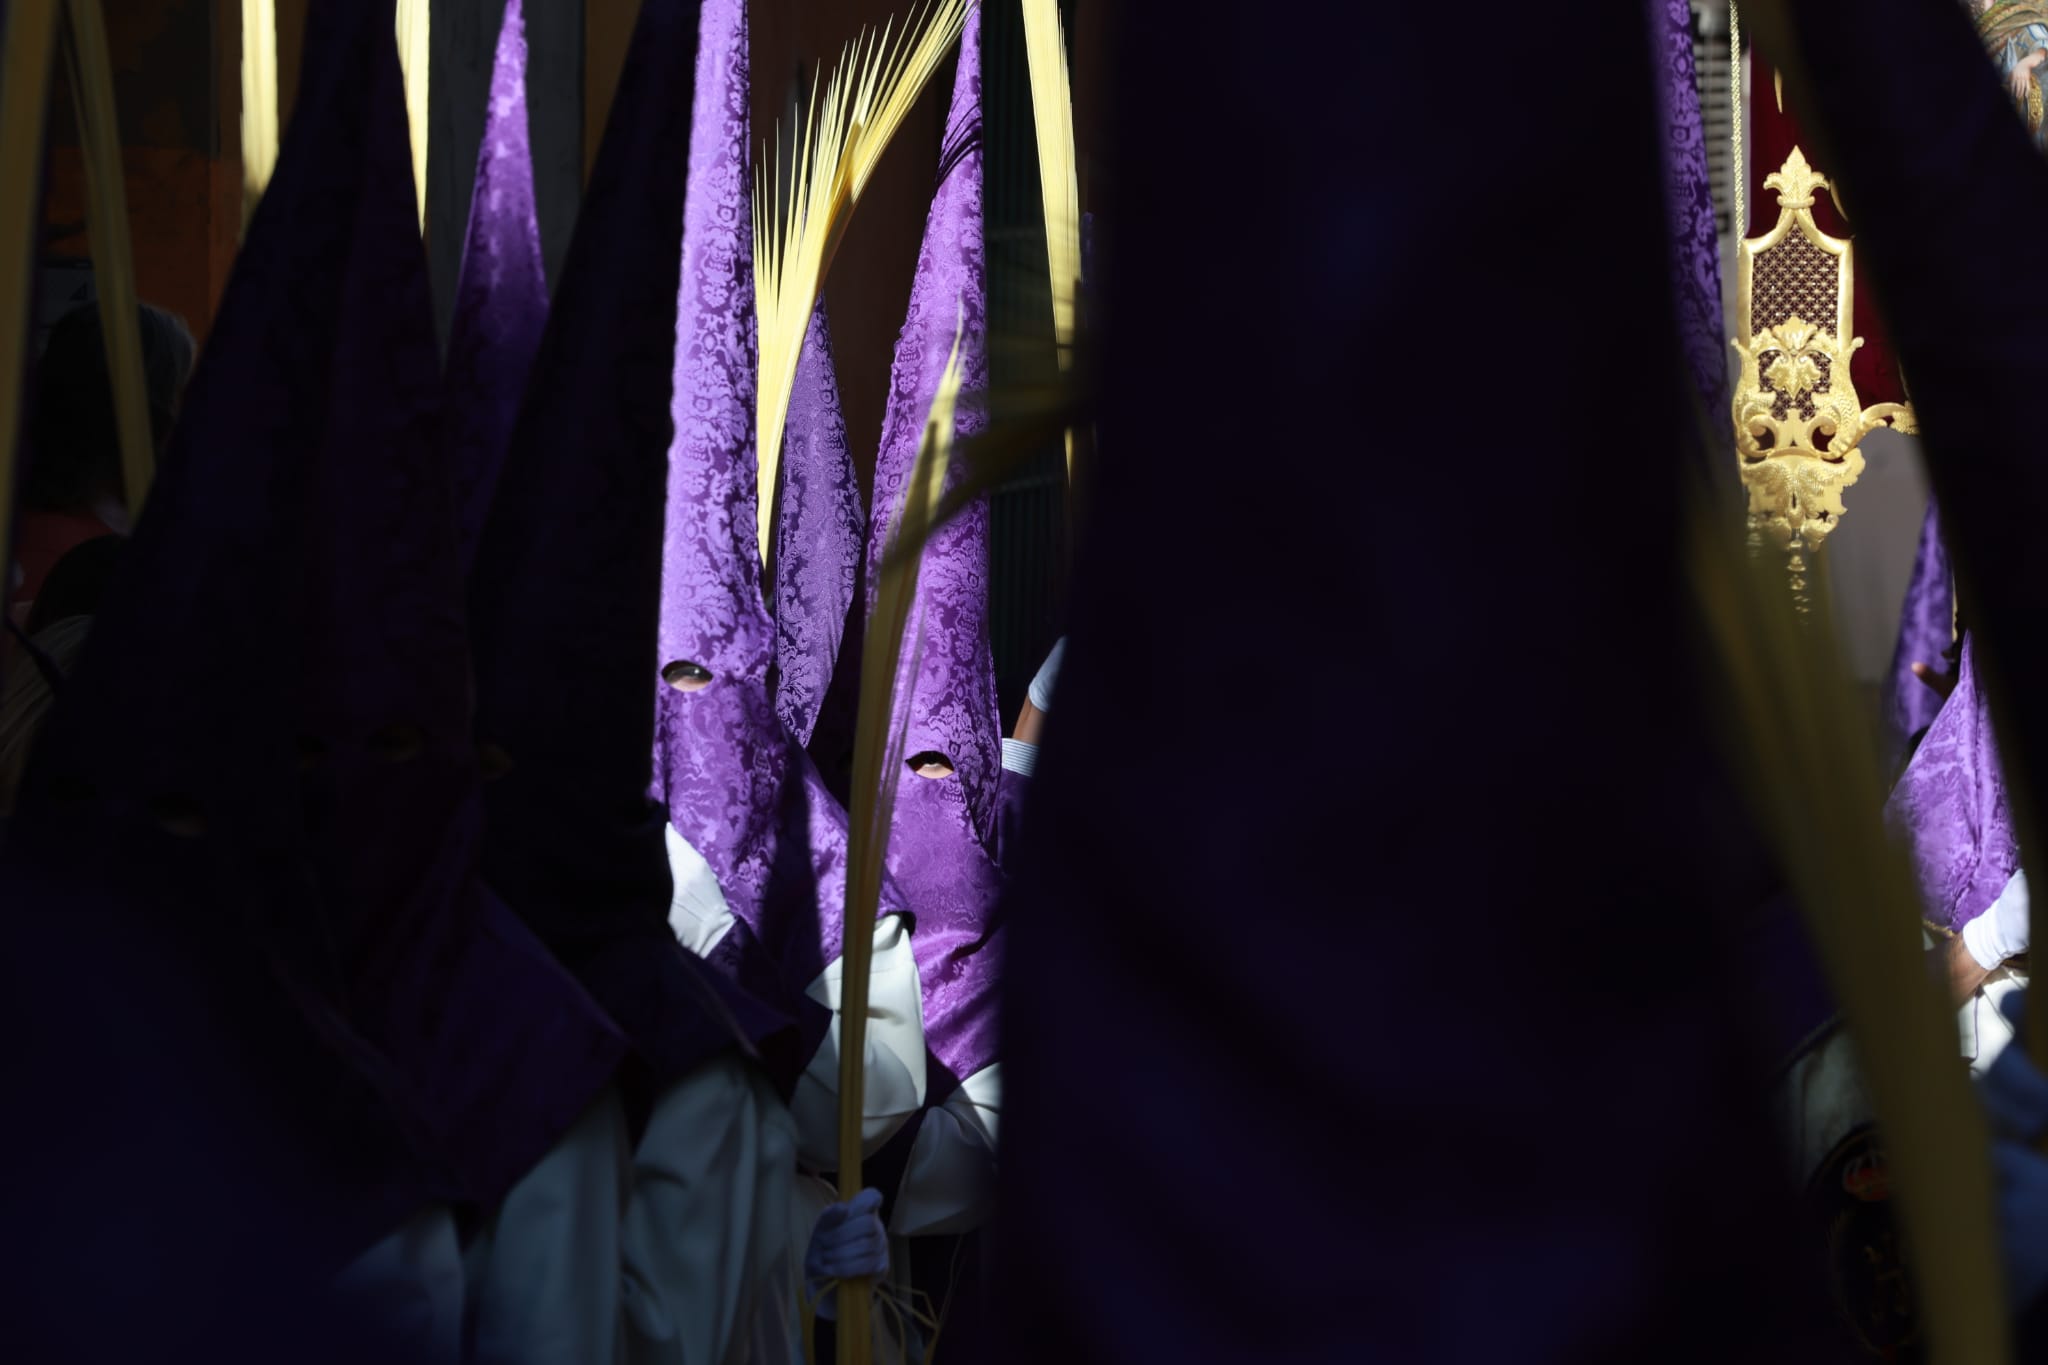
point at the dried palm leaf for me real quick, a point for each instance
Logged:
(413, 32)
(1813, 778)
(799, 225)
(31, 35)
(106, 217)
(1025, 416)
(259, 101)
(1052, 113)
(877, 764)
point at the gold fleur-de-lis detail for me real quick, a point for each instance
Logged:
(1795, 182)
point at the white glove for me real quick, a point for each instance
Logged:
(2001, 931)
(847, 1241)
(1048, 673)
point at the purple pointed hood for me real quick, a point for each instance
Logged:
(1926, 630)
(501, 298)
(1951, 810)
(820, 532)
(737, 784)
(943, 836)
(567, 587)
(164, 803)
(497, 1048)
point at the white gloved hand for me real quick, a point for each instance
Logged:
(2001, 931)
(847, 1242)
(1048, 674)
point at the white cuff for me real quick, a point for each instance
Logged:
(1020, 757)
(1981, 938)
(2002, 930)
(1048, 673)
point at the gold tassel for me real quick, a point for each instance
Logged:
(414, 24)
(31, 36)
(259, 101)
(1815, 786)
(1052, 112)
(106, 219)
(798, 226)
(877, 764)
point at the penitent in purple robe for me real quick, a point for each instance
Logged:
(1238, 901)
(566, 586)
(944, 830)
(1951, 811)
(166, 805)
(1926, 631)
(737, 784)
(496, 1046)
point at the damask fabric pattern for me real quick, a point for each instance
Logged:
(175, 824)
(821, 529)
(944, 830)
(567, 585)
(1926, 630)
(737, 786)
(501, 298)
(1695, 245)
(1951, 810)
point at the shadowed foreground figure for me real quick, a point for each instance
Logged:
(1388, 406)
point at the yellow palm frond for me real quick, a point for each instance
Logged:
(798, 225)
(877, 765)
(31, 37)
(106, 221)
(1052, 113)
(1814, 782)
(413, 32)
(259, 101)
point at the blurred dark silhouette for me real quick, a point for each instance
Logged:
(71, 487)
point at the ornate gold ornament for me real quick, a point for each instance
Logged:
(1798, 423)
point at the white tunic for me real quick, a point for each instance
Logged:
(544, 1272)
(949, 1181)
(1821, 1097)
(412, 1284)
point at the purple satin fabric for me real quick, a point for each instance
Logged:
(820, 530)
(566, 588)
(1951, 809)
(944, 830)
(1926, 629)
(736, 784)
(501, 297)
(1689, 200)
